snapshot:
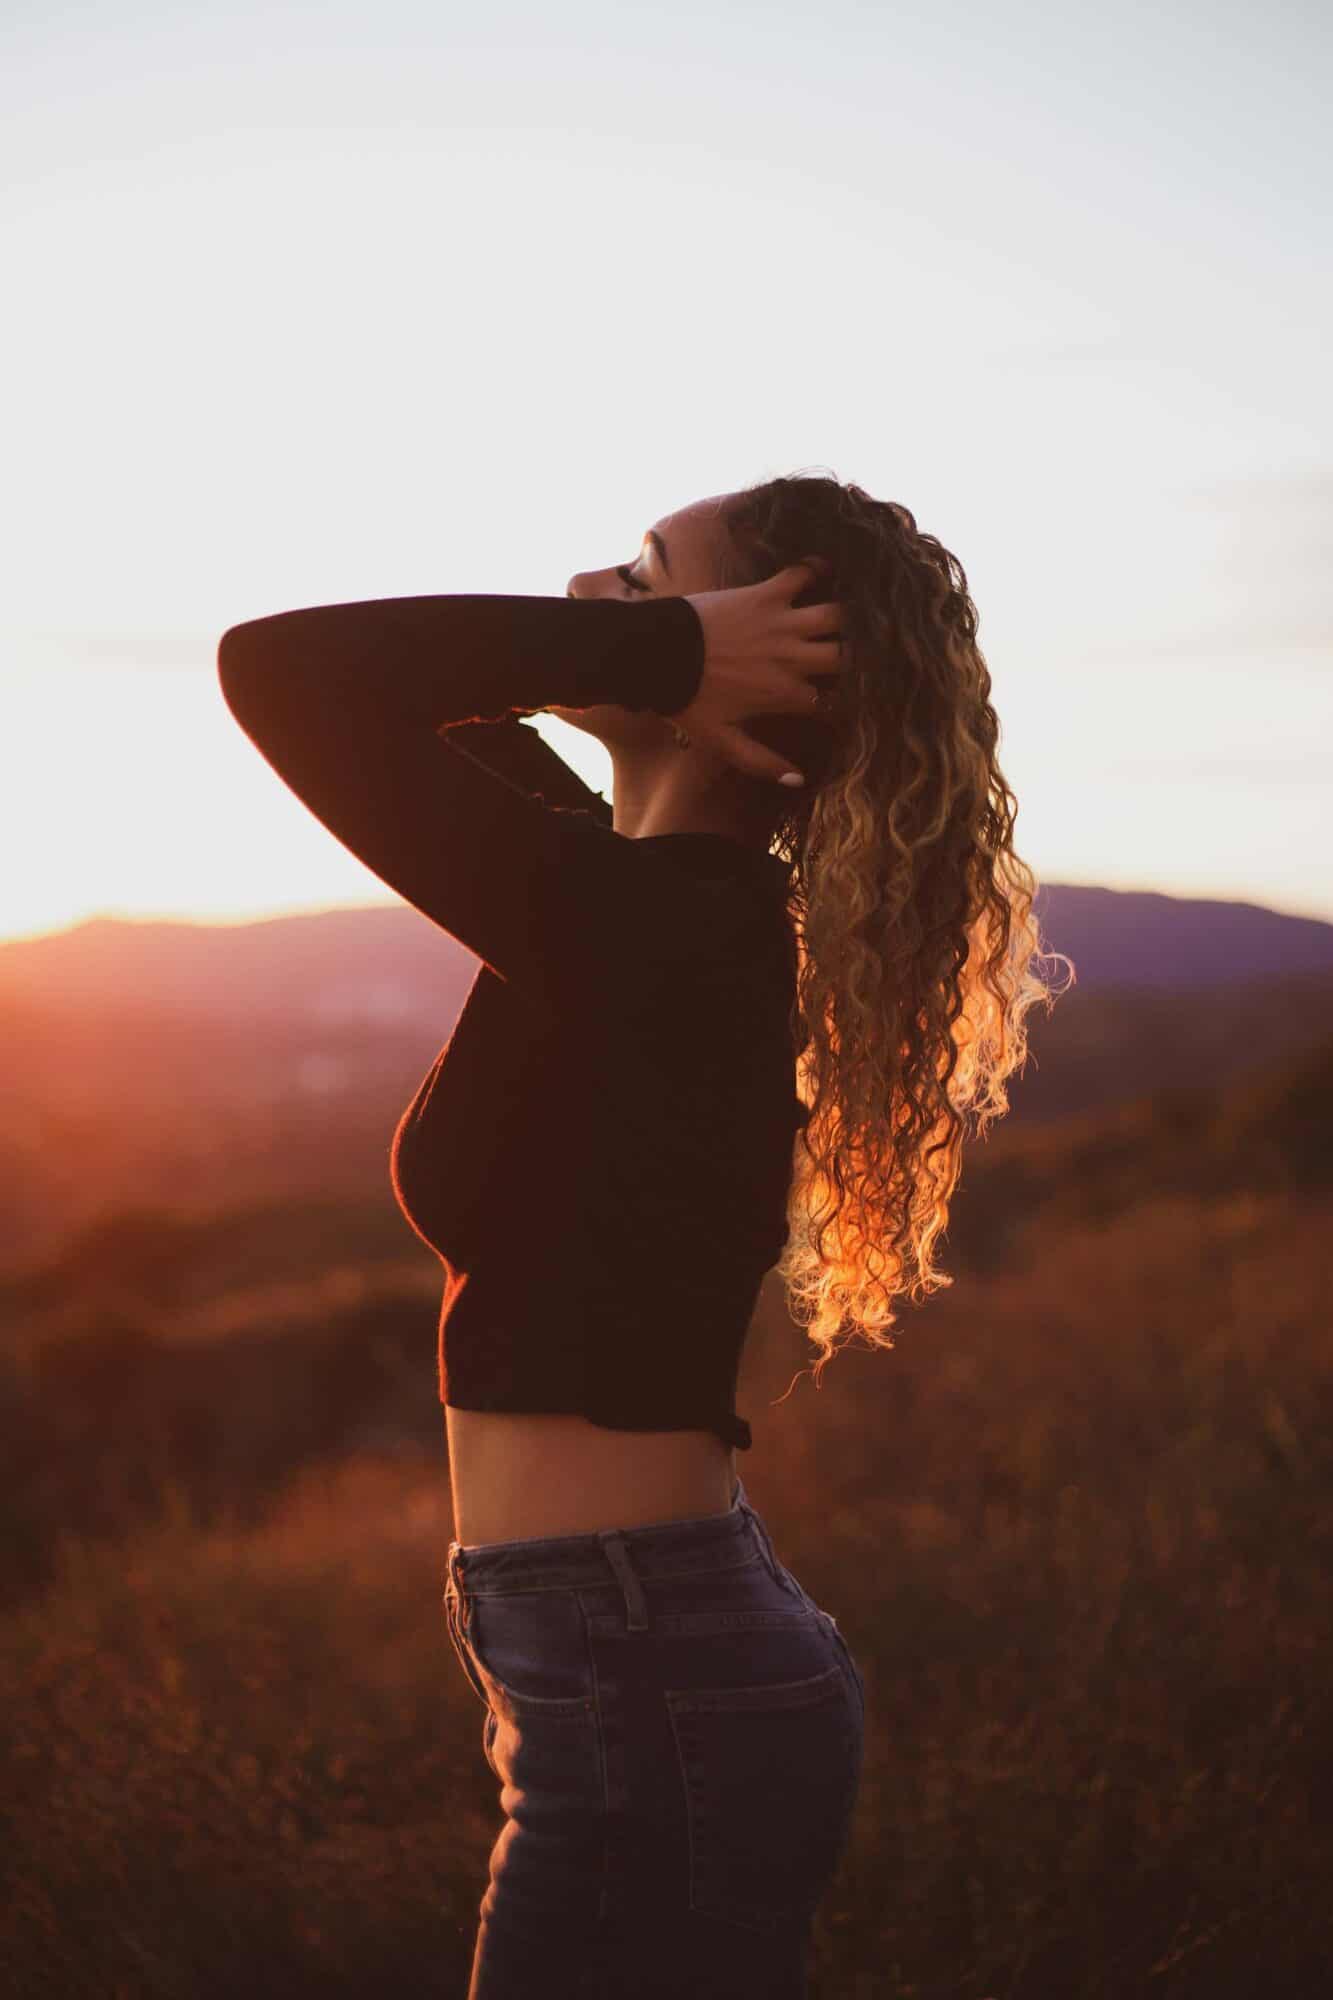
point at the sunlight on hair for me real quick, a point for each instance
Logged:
(916, 940)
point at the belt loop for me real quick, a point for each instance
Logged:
(765, 1543)
(617, 1555)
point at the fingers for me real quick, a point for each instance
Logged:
(820, 656)
(815, 618)
(799, 677)
(798, 576)
(813, 656)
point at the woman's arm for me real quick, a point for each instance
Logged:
(345, 701)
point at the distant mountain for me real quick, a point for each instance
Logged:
(382, 964)
(1174, 944)
(387, 965)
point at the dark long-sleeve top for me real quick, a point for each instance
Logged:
(601, 1153)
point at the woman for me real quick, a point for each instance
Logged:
(732, 1022)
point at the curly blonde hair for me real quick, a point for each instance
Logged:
(913, 915)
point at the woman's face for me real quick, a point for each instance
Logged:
(678, 555)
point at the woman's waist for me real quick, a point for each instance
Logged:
(520, 1475)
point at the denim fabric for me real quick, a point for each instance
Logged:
(677, 1732)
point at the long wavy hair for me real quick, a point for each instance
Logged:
(915, 934)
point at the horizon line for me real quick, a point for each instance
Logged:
(253, 915)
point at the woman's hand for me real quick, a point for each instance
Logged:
(759, 650)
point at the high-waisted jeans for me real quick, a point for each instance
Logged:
(677, 1729)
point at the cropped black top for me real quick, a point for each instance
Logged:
(601, 1153)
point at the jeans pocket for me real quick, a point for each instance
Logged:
(460, 1646)
(770, 1775)
(531, 1650)
(528, 1653)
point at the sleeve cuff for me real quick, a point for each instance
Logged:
(660, 661)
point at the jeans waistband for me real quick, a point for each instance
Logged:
(623, 1555)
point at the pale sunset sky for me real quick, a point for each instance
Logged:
(313, 303)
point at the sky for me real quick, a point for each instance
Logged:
(308, 304)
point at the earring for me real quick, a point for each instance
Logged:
(682, 740)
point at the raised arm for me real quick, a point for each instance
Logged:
(345, 701)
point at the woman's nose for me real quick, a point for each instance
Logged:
(589, 583)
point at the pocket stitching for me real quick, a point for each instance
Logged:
(703, 1624)
(774, 1694)
(551, 1707)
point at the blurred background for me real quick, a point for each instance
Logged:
(308, 304)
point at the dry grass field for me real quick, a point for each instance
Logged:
(1076, 1527)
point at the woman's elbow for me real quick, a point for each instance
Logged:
(238, 643)
(240, 663)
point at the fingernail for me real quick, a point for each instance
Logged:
(791, 778)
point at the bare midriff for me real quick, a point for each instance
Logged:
(516, 1476)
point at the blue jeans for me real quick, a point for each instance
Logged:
(677, 1729)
